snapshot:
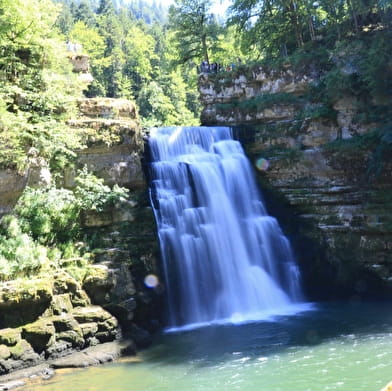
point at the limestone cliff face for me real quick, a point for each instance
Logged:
(114, 142)
(334, 206)
(114, 148)
(55, 313)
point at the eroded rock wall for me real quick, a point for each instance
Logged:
(49, 317)
(332, 201)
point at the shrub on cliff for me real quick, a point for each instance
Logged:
(46, 224)
(20, 255)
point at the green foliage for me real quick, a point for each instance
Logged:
(164, 104)
(128, 50)
(196, 30)
(46, 228)
(319, 111)
(20, 255)
(301, 22)
(376, 145)
(142, 10)
(49, 215)
(37, 85)
(92, 194)
(375, 65)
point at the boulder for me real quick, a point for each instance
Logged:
(40, 334)
(68, 330)
(22, 349)
(61, 304)
(80, 298)
(64, 283)
(89, 329)
(24, 301)
(90, 314)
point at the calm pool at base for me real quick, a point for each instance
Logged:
(345, 346)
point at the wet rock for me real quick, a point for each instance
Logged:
(76, 360)
(95, 355)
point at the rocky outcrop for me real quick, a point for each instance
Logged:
(114, 148)
(331, 195)
(54, 315)
(80, 62)
(13, 182)
(250, 96)
(114, 142)
(49, 317)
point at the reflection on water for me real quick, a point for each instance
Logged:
(337, 347)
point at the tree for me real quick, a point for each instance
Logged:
(85, 13)
(36, 83)
(105, 7)
(65, 19)
(196, 29)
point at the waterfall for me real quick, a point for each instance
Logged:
(224, 258)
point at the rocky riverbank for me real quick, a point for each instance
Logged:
(95, 355)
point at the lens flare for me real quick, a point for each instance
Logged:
(151, 281)
(262, 164)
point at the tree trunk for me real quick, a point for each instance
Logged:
(205, 49)
(355, 16)
(295, 22)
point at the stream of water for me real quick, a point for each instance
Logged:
(224, 258)
(346, 347)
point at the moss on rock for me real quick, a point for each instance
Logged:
(40, 334)
(90, 314)
(80, 298)
(23, 301)
(9, 337)
(61, 304)
(22, 349)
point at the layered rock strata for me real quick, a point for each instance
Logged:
(332, 196)
(46, 318)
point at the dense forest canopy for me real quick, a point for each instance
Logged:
(149, 52)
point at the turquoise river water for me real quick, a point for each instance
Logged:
(346, 347)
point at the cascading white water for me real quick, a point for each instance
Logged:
(224, 258)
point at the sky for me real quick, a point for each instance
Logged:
(219, 7)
